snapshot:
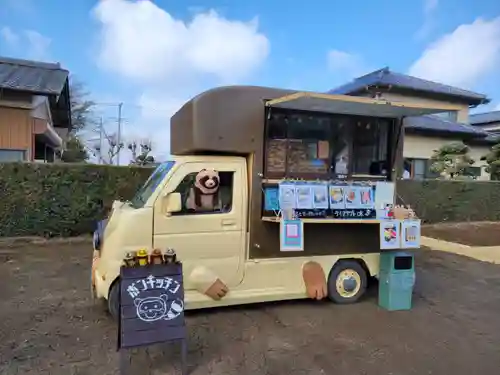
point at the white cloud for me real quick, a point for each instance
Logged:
(461, 58)
(347, 64)
(38, 45)
(170, 60)
(497, 108)
(9, 36)
(142, 41)
(28, 44)
(429, 9)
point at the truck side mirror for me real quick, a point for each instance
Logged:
(172, 202)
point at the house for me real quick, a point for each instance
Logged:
(425, 134)
(35, 115)
(489, 122)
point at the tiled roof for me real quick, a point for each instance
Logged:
(436, 124)
(484, 118)
(36, 77)
(494, 138)
(385, 77)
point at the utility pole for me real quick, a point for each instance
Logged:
(100, 141)
(119, 135)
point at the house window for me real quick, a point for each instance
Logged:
(420, 169)
(7, 156)
(473, 172)
(448, 116)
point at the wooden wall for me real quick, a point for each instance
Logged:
(16, 130)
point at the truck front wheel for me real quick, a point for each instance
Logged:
(114, 300)
(346, 282)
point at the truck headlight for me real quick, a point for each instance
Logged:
(96, 241)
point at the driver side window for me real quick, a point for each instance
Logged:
(223, 198)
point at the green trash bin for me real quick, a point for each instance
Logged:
(396, 280)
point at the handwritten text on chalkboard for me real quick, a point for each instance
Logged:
(158, 307)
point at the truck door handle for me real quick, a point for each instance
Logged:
(228, 222)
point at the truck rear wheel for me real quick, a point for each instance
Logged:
(114, 300)
(346, 282)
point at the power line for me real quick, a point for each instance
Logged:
(119, 132)
(125, 104)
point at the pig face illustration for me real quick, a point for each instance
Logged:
(150, 309)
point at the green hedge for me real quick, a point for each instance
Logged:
(436, 201)
(62, 199)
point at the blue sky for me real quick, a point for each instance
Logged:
(154, 56)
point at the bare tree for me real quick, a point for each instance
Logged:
(82, 107)
(141, 152)
(107, 154)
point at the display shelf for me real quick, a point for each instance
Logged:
(275, 219)
(354, 178)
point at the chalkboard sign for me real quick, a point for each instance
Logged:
(151, 306)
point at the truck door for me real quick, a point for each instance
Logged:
(215, 240)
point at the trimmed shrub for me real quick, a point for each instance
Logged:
(436, 200)
(61, 199)
(64, 199)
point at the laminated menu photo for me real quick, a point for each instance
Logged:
(410, 234)
(271, 199)
(390, 234)
(303, 193)
(320, 196)
(336, 197)
(287, 195)
(352, 197)
(366, 197)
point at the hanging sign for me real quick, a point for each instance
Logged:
(291, 235)
(410, 234)
(390, 234)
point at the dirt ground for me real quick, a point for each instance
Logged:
(472, 234)
(48, 325)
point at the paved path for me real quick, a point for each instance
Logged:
(489, 254)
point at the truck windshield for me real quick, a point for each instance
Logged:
(150, 185)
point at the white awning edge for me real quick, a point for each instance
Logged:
(355, 105)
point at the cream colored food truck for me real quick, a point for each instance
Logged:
(238, 143)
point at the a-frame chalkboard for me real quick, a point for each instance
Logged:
(151, 308)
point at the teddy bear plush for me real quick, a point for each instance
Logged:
(203, 196)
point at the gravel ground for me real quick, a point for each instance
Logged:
(48, 325)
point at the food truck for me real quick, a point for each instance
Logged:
(220, 200)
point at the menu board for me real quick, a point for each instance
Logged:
(303, 157)
(323, 200)
(276, 155)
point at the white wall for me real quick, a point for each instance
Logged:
(422, 147)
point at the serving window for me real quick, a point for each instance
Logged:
(307, 145)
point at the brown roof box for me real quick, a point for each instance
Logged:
(225, 119)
